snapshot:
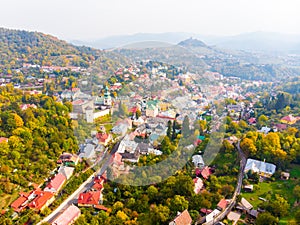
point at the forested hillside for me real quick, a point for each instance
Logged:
(36, 137)
(19, 47)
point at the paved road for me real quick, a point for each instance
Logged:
(72, 199)
(237, 191)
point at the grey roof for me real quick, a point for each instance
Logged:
(260, 167)
(88, 151)
(198, 160)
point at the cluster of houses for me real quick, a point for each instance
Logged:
(38, 199)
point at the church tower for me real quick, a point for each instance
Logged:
(107, 97)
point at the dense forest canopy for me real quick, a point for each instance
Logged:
(36, 137)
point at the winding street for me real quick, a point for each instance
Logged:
(237, 191)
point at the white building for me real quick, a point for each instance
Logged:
(262, 168)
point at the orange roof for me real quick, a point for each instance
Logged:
(206, 172)
(19, 204)
(222, 204)
(183, 218)
(56, 182)
(89, 198)
(101, 207)
(102, 137)
(97, 186)
(41, 199)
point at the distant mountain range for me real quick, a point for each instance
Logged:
(255, 41)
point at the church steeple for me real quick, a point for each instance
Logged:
(107, 97)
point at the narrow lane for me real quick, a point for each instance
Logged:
(72, 199)
(237, 191)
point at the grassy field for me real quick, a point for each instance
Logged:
(281, 187)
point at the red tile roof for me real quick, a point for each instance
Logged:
(99, 179)
(102, 137)
(89, 198)
(252, 120)
(68, 216)
(100, 207)
(19, 204)
(56, 183)
(222, 204)
(116, 159)
(97, 186)
(183, 218)
(22, 202)
(40, 200)
(206, 172)
(205, 211)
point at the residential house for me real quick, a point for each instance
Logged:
(66, 171)
(89, 199)
(55, 183)
(262, 168)
(233, 216)
(280, 127)
(232, 139)
(152, 108)
(139, 121)
(198, 185)
(244, 205)
(211, 217)
(127, 145)
(120, 129)
(290, 119)
(104, 138)
(22, 202)
(248, 188)
(264, 130)
(26, 106)
(42, 200)
(198, 161)
(68, 217)
(98, 182)
(183, 218)
(252, 121)
(68, 159)
(253, 213)
(206, 172)
(88, 152)
(222, 204)
(143, 148)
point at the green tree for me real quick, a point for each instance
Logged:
(178, 204)
(266, 218)
(159, 214)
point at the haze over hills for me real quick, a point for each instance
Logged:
(255, 41)
(196, 55)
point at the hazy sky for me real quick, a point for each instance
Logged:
(84, 19)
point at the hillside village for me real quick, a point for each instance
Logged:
(139, 121)
(77, 127)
